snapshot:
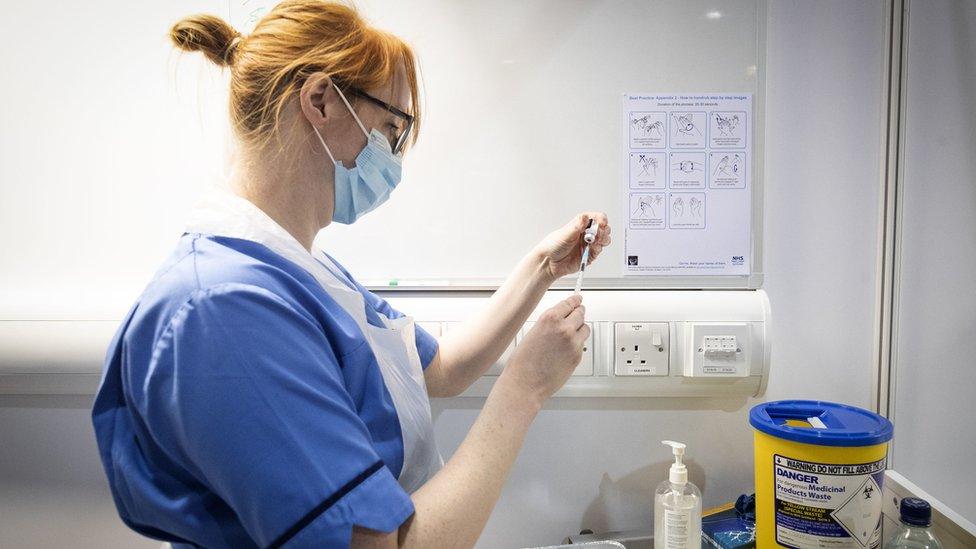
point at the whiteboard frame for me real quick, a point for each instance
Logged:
(752, 281)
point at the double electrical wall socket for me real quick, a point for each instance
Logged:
(641, 348)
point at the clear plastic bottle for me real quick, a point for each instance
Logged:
(914, 533)
(677, 507)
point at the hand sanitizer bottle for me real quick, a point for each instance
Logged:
(677, 507)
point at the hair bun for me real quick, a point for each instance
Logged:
(208, 34)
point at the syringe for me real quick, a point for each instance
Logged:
(589, 235)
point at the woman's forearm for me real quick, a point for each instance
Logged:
(453, 507)
(465, 353)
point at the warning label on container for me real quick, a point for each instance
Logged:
(828, 504)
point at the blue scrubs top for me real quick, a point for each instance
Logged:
(242, 407)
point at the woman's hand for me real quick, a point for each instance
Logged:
(550, 352)
(563, 248)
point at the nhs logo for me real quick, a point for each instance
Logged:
(738, 259)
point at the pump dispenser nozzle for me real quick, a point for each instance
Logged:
(678, 473)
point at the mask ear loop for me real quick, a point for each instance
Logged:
(348, 106)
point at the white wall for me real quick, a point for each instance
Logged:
(592, 463)
(92, 98)
(53, 492)
(73, 141)
(935, 375)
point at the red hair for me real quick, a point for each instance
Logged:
(296, 39)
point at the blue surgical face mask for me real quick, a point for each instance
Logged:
(360, 190)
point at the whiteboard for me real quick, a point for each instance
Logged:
(523, 123)
(109, 137)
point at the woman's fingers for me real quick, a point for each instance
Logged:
(577, 317)
(597, 247)
(582, 221)
(579, 223)
(595, 250)
(582, 334)
(567, 306)
(600, 218)
(565, 245)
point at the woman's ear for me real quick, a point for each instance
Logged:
(314, 97)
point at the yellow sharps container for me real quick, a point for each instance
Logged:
(819, 472)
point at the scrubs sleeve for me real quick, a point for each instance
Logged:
(427, 345)
(253, 395)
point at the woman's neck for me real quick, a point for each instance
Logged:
(283, 188)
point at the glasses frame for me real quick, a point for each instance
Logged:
(402, 140)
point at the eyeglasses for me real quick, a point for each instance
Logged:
(397, 141)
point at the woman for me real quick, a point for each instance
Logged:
(256, 394)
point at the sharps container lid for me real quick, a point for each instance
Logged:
(820, 423)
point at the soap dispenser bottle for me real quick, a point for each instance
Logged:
(677, 507)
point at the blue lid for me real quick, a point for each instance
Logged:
(916, 512)
(821, 423)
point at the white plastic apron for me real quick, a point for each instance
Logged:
(395, 348)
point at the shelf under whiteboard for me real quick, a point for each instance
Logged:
(744, 282)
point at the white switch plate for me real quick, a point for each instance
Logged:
(585, 367)
(717, 349)
(641, 348)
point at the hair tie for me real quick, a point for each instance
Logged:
(231, 48)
